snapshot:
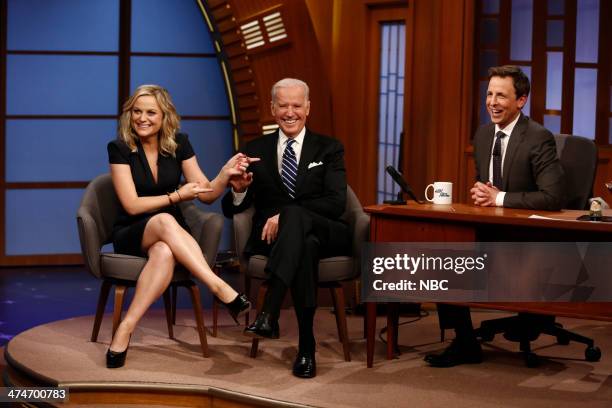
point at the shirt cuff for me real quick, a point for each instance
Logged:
(499, 199)
(238, 197)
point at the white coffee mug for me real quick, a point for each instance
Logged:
(442, 192)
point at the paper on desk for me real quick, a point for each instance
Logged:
(541, 217)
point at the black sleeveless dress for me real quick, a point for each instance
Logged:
(128, 230)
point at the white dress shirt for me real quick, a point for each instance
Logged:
(499, 200)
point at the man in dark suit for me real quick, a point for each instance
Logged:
(299, 192)
(516, 167)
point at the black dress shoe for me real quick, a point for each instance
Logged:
(305, 365)
(238, 307)
(263, 326)
(459, 352)
(116, 359)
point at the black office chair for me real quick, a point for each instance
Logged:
(578, 157)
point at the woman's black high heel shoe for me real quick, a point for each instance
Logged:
(238, 307)
(116, 359)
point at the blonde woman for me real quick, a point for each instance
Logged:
(147, 162)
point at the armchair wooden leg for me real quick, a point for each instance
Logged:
(102, 299)
(194, 291)
(168, 312)
(173, 303)
(337, 293)
(118, 308)
(215, 305)
(261, 295)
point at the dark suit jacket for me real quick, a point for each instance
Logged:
(532, 175)
(320, 189)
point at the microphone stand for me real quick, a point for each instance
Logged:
(398, 201)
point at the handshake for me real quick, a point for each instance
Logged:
(236, 171)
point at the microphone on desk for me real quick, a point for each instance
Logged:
(397, 177)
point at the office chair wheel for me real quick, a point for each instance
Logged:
(563, 340)
(532, 360)
(592, 353)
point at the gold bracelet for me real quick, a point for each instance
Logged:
(179, 194)
(170, 199)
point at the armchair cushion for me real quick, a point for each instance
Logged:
(205, 227)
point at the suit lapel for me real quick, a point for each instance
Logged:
(518, 134)
(309, 150)
(271, 161)
(485, 154)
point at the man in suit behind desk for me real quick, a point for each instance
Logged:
(516, 167)
(299, 192)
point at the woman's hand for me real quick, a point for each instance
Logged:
(238, 165)
(190, 191)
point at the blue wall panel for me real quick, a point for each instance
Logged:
(554, 80)
(176, 26)
(196, 84)
(57, 150)
(211, 141)
(63, 25)
(490, 6)
(61, 85)
(42, 221)
(587, 31)
(552, 123)
(585, 102)
(521, 30)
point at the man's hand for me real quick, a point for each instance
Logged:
(241, 182)
(270, 230)
(484, 194)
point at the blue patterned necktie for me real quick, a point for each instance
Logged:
(289, 168)
(497, 160)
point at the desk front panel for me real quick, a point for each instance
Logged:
(462, 223)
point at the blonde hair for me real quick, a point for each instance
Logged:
(171, 121)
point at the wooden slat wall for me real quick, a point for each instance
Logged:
(438, 123)
(254, 71)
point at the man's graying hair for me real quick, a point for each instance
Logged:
(289, 83)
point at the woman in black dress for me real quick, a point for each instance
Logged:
(147, 161)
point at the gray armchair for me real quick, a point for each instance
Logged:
(96, 216)
(332, 271)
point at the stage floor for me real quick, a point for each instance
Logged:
(60, 353)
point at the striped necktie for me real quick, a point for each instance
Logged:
(497, 160)
(289, 168)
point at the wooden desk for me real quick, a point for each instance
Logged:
(467, 223)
